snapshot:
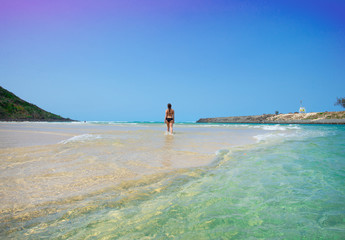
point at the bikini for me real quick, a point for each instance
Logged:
(169, 119)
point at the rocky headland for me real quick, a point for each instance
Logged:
(12, 108)
(289, 118)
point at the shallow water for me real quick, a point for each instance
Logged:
(208, 181)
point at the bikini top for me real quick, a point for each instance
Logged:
(170, 112)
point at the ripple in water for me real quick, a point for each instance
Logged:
(291, 187)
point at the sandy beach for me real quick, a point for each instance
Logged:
(78, 180)
(44, 162)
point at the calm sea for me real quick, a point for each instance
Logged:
(113, 180)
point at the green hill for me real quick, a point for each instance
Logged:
(12, 108)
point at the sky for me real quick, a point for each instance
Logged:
(112, 60)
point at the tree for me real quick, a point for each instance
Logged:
(340, 101)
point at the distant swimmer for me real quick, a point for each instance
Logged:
(169, 118)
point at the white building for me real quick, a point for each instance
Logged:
(301, 108)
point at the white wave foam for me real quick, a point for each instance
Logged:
(168, 133)
(203, 125)
(269, 136)
(222, 152)
(277, 127)
(298, 134)
(81, 138)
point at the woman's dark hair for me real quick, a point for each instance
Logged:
(169, 107)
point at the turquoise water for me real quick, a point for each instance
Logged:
(288, 185)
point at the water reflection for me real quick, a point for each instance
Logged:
(168, 147)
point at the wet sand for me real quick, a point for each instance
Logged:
(42, 163)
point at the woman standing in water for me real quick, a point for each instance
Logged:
(169, 118)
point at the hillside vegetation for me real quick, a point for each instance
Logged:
(12, 108)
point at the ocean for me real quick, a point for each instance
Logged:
(131, 180)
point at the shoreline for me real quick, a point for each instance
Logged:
(38, 133)
(337, 118)
(326, 122)
(38, 120)
(76, 158)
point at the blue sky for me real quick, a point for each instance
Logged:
(125, 60)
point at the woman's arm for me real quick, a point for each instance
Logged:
(165, 118)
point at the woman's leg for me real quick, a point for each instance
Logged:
(171, 126)
(168, 126)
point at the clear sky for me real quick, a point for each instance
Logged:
(125, 60)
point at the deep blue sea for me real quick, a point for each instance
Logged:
(208, 181)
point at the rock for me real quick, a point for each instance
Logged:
(290, 118)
